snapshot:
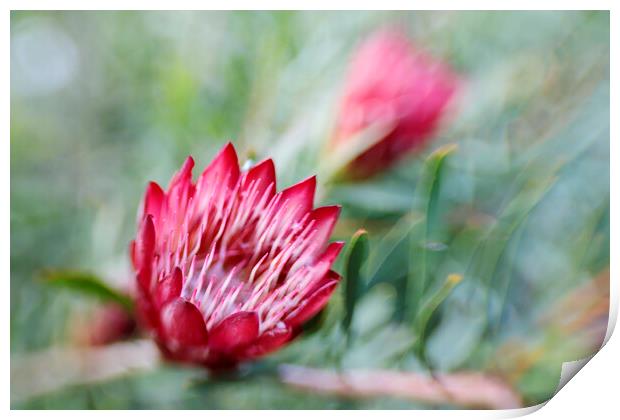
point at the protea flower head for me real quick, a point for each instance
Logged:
(227, 268)
(392, 84)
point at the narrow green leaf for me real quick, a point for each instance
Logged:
(428, 188)
(391, 262)
(585, 245)
(489, 253)
(88, 284)
(426, 200)
(428, 309)
(356, 257)
(505, 281)
(484, 260)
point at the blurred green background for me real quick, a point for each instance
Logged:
(103, 102)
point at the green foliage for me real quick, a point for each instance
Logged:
(88, 285)
(356, 256)
(429, 308)
(426, 201)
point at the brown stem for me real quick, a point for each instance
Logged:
(49, 370)
(464, 389)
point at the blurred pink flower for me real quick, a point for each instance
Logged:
(228, 269)
(396, 85)
(107, 324)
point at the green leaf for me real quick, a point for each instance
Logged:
(356, 256)
(87, 284)
(427, 193)
(428, 309)
(504, 282)
(488, 254)
(373, 310)
(426, 200)
(390, 263)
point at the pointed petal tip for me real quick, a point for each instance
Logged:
(325, 219)
(317, 301)
(153, 199)
(152, 185)
(264, 168)
(183, 175)
(263, 174)
(332, 252)
(302, 192)
(148, 226)
(144, 250)
(228, 150)
(146, 234)
(333, 276)
(266, 165)
(222, 172)
(332, 212)
(337, 245)
(225, 159)
(305, 184)
(311, 180)
(169, 288)
(188, 164)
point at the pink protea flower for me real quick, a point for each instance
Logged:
(227, 268)
(395, 85)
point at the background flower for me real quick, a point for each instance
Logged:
(395, 85)
(106, 324)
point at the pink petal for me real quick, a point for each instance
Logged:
(301, 193)
(236, 331)
(262, 174)
(325, 219)
(331, 253)
(144, 251)
(314, 303)
(153, 200)
(146, 313)
(182, 322)
(214, 187)
(223, 165)
(322, 266)
(297, 200)
(268, 342)
(391, 81)
(169, 288)
(183, 175)
(180, 191)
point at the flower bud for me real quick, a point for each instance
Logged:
(398, 91)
